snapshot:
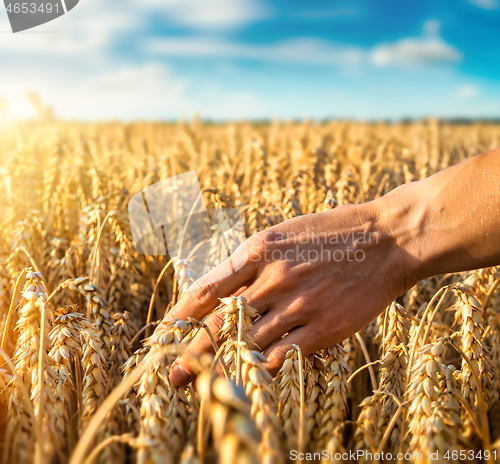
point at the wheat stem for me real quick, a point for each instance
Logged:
(96, 248)
(142, 330)
(31, 260)
(391, 425)
(39, 454)
(125, 438)
(11, 310)
(482, 403)
(363, 367)
(489, 295)
(88, 436)
(433, 315)
(301, 444)
(470, 413)
(491, 325)
(369, 363)
(241, 322)
(153, 296)
(216, 349)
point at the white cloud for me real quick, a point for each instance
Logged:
(4, 22)
(325, 14)
(85, 71)
(421, 51)
(95, 26)
(415, 52)
(486, 4)
(429, 49)
(75, 64)
(300, 50)
(467, 92)
(432, 28)
(209, 14)
(150, 87)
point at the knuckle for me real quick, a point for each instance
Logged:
(276, 356)
(256, 244)
(254, 250)
(267, 237)
(215, 322)
(299, 309)
(193, 302)
(202, 293)
(287, 319)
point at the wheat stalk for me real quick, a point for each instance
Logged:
(336, 393)
(66, 349)
(94, 370)
(120, 345)
(36, 369)
(163, 406)
(434, 414)
(289, 398)
(393, 372)
(236, 311)
(257, 382)
(316, 388)
(470, 313)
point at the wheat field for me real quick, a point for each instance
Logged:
(84, 376)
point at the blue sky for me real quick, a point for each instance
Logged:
(226, 59)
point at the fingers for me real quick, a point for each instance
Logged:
(272, 327)
(224, 280)
(182, 372)
(280, 319)
(302, 336)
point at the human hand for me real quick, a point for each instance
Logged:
(318, 278)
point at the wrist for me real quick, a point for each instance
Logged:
(403, 217)
(446, 223)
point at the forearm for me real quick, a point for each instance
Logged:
(449, 222)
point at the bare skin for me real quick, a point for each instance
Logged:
(449, 222)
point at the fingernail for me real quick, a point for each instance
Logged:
(178, 375)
